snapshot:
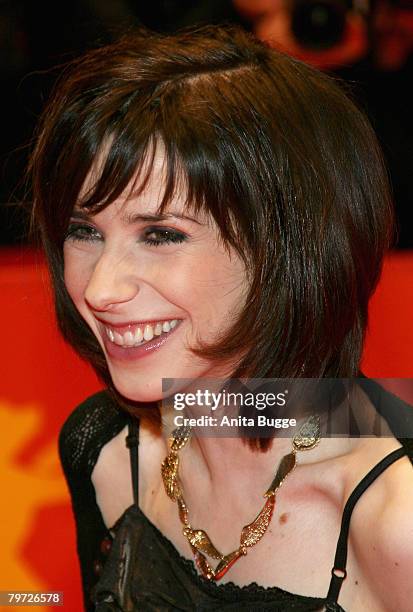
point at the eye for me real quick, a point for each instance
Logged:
(158, 236)
(81, 232)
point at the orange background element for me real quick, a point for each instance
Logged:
(41, 382)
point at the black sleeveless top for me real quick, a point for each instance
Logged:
(134, 567)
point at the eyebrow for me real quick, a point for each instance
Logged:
(132, 218)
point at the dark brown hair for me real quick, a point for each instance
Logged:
(274, 150)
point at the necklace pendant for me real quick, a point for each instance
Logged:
(226, 563)
(223, 566)
(309, 435)
(202, 564)
(252, 533)
(199, 539)
(287, 464)
(180, 437)
(169, 471)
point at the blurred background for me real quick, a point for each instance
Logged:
(369, 43)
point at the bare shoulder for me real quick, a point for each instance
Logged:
(394, 539)
(382, 533)
(112, 477)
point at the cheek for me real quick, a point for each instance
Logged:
(216, 291)
(75, 276)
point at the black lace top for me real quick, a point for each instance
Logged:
(133, 566)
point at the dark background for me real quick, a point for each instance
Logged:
(38, 37)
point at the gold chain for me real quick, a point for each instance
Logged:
(306, 439)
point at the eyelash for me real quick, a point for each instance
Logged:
(81, 233)
(86, 233)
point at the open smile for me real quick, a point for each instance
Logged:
(136, 335)
(133, 341)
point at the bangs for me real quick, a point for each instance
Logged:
(111, 135)
(117, 160)
(125, 172)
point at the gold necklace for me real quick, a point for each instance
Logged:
(306, 439)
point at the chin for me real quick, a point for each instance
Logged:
(139, 393)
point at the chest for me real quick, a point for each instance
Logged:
(301, 534)
(296, 553)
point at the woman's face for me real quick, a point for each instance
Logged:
(148, 287)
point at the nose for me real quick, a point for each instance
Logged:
(111, 284)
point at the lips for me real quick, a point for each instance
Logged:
(118, 350)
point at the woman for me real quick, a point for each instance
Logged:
(211, 208)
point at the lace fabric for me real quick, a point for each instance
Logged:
(144, 571)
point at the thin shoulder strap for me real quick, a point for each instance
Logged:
(132, 442)
(339, 573)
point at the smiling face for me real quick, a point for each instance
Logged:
(149, 287)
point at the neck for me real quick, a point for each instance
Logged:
(228, 465)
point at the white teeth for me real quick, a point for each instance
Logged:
(129, 338)
(117, 338)
(138, 335)
(148, 333)
(158, 329)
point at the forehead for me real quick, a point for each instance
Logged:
(147, 187)
(149, 177)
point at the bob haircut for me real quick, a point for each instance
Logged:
(273, 150)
